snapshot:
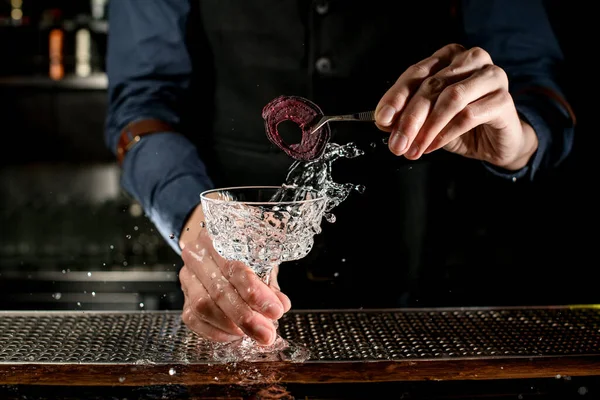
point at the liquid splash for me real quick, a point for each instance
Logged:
(316, 175)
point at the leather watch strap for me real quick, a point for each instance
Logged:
(134, 131)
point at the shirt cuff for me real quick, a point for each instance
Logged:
(164, 173)
(543, 132)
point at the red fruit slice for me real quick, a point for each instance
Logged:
(304, 113)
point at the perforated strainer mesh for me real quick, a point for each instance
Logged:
(161, 337)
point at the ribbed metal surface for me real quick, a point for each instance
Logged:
(161, 337)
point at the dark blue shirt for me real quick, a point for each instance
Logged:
(149, 69)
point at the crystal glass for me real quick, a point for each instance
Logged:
(263, 226)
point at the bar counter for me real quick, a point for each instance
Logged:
(154, 348)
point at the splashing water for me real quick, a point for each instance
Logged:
(316, 175)
(314, 154)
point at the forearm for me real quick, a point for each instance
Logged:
(164, 173)
(149, 69)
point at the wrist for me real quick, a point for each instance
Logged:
(192, 226)
(529, 145)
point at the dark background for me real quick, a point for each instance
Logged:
(71, 239)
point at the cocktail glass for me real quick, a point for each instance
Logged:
(263, 226)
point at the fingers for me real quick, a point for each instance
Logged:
(394, 100)
(448, 85)
(251, 289)
(203, 328)
(488, 109)
(203, 308)
(255, 293)
(437, 113)
(224, 294)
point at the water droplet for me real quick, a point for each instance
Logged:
(172, 236)
(385, 140)
(373, 144)
(128, 236)
(56, 296)
(111, 247)
(336, 274)
(582, 390)
(329, 217)
(514, 178)
(89, 274)
(121, 379)
(141, 305)
(360, 188)
(172, 371)
(216, 379)
(78, 304)
(93, 294)
(135, 228)
(64, 271)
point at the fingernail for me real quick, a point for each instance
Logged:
(272, 310)
(263, 334)
(398, 142)
(386, 115)
(233, 338)
(414, 149)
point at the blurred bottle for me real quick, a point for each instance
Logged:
(98, 9)
(56, 48)
(83, 66)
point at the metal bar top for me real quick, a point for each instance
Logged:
(155, 347)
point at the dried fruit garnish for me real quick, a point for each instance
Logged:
(303, 112)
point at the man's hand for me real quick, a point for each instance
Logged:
(225, 299)
(458, 100)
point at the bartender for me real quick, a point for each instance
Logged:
(453, 83)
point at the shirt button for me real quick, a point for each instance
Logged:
(321, 7)
(323, 65)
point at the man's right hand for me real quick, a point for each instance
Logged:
(225, 299)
